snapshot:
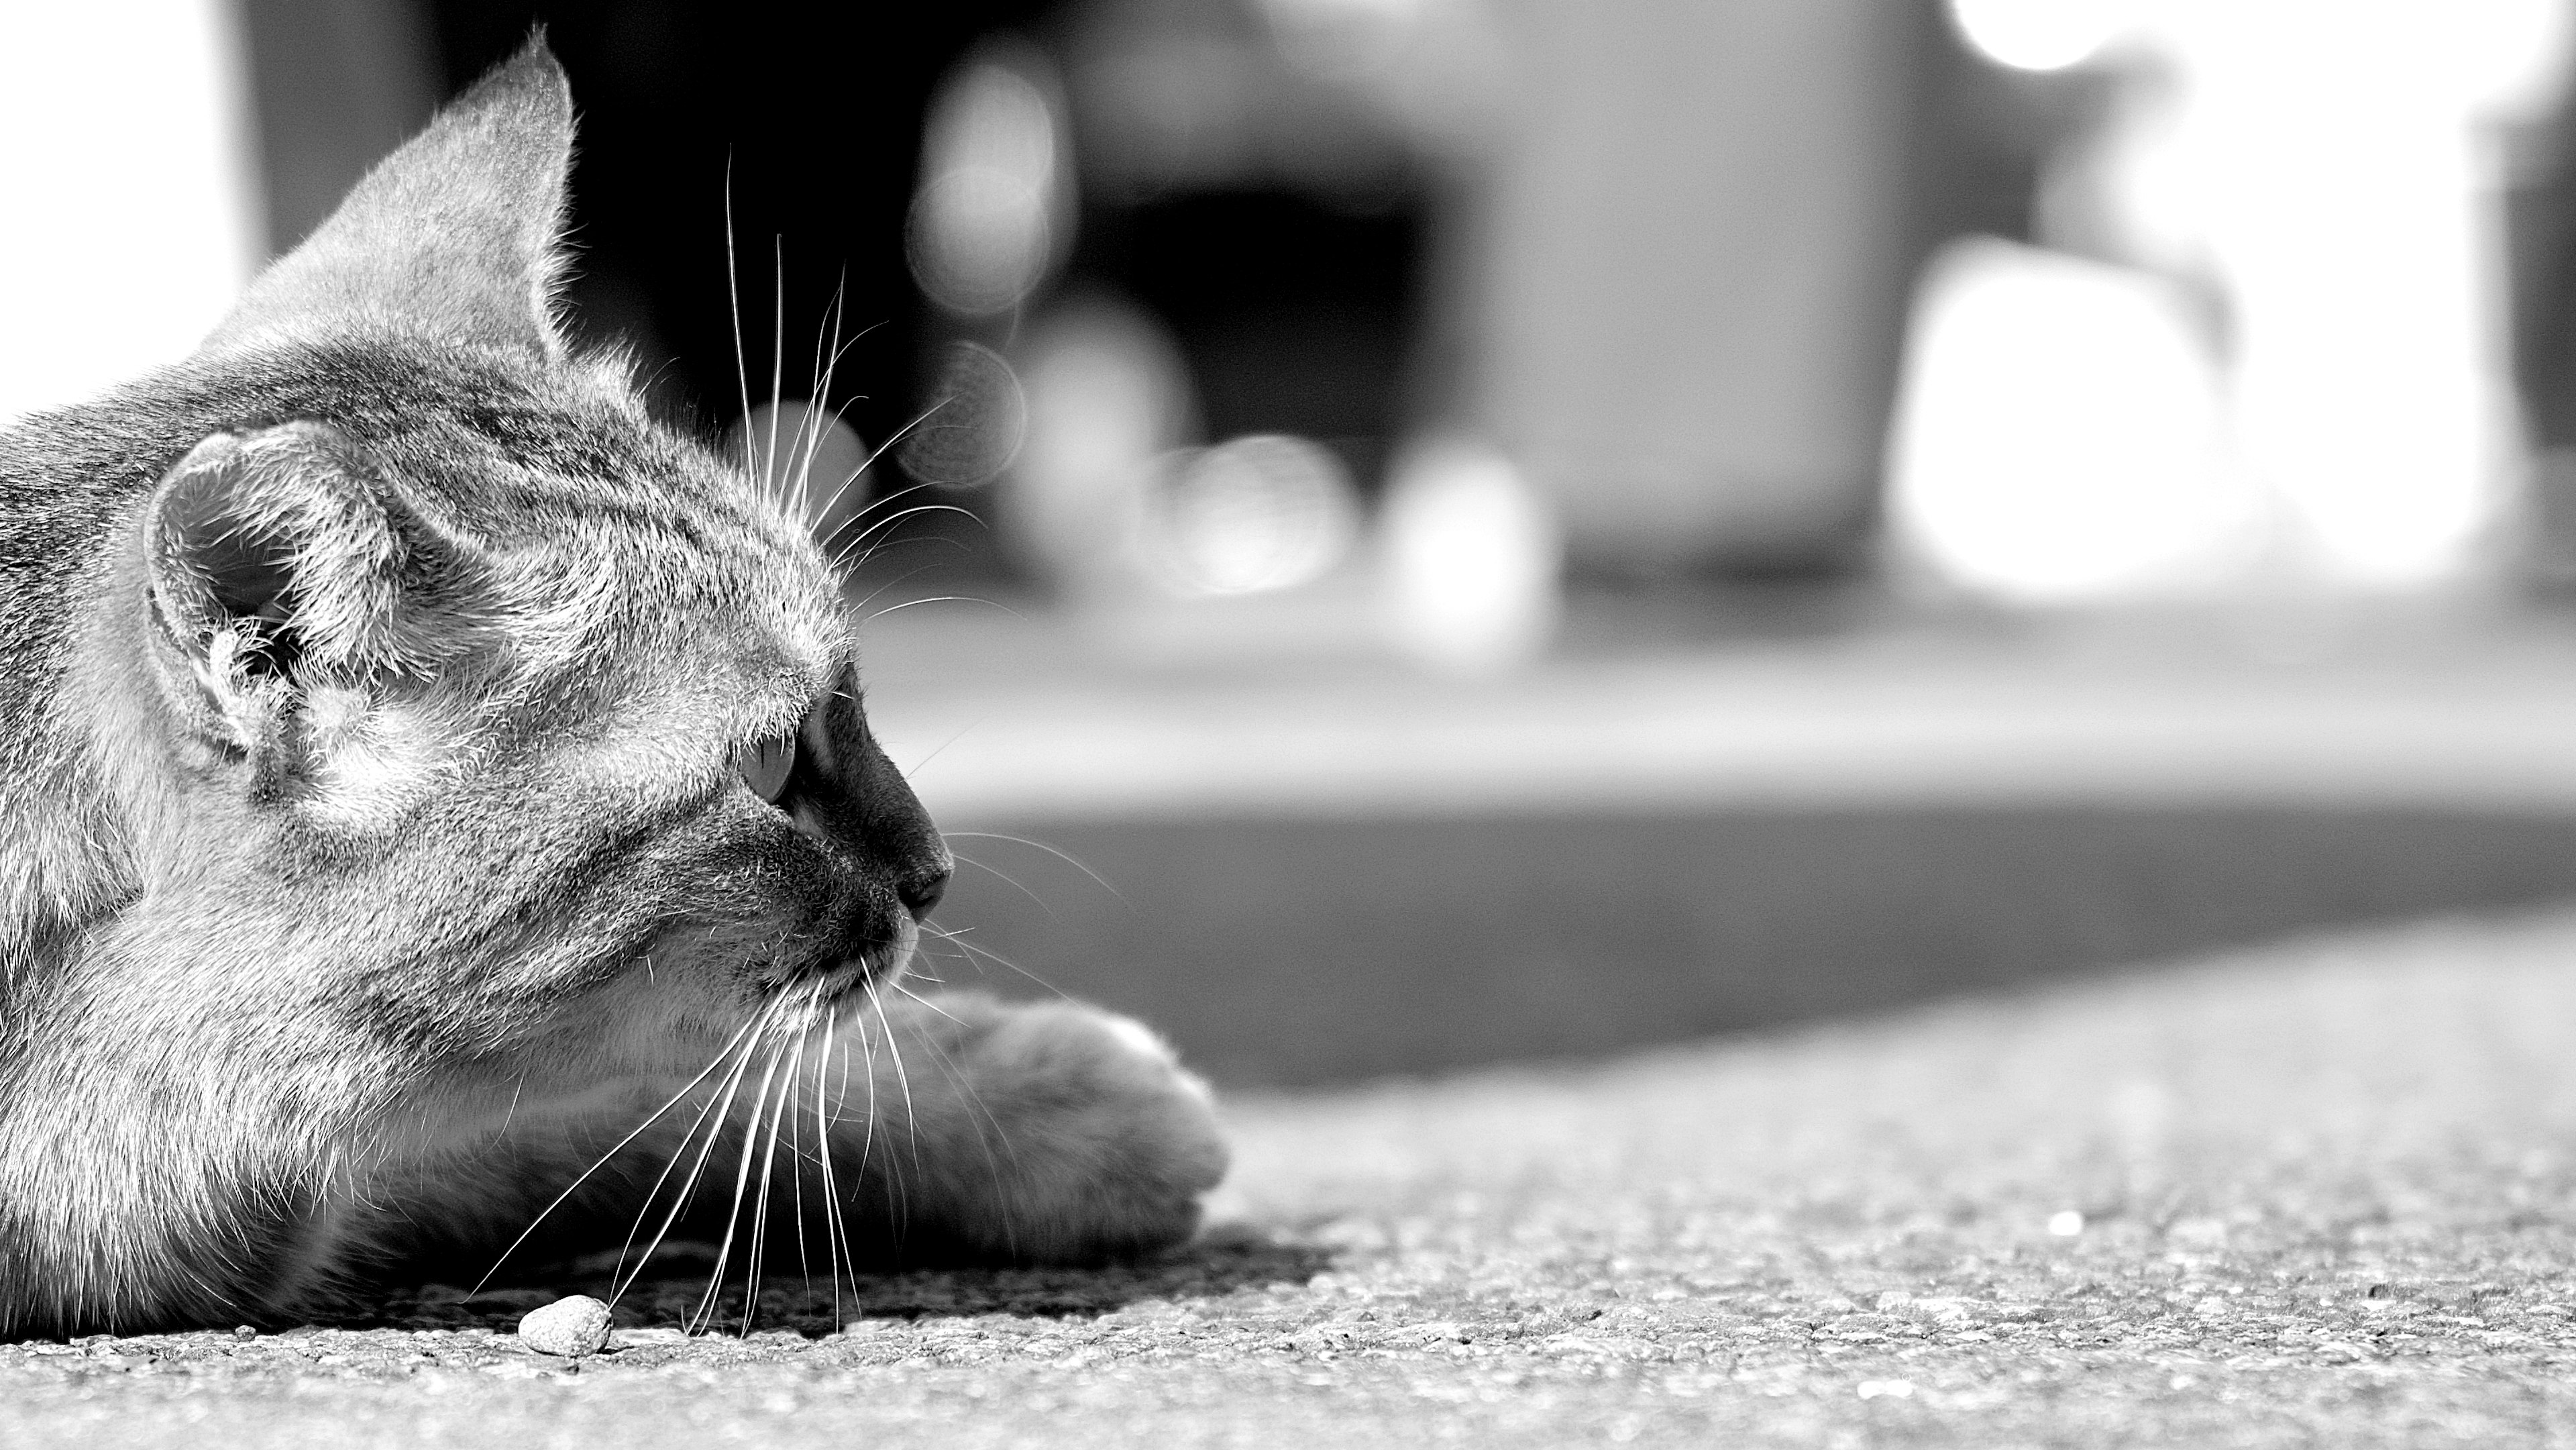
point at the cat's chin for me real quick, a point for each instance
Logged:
(827, 982)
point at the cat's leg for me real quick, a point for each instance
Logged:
(961, 1129)
(1020, 1132)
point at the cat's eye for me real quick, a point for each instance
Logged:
(765, 765)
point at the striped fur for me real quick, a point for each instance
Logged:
(373, 856)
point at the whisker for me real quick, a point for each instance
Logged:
(849, 568)
(1008, 879)
(777, 346)
(836, 1234)
(894, 1049)
(823, 395)
(931, 599)
(718, 1108)
(915, 768)
(741, 1181)
(871, 596)
(638, 1131)
(760, 1204)
(818, 406)
(861, 512)
(796, 1165)
(895, 1216)
(840, 558)
(926, 1002)
(957, 939)
(1066, 857)
(733, 295)
(979, 1115)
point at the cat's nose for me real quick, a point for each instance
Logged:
(922, 892)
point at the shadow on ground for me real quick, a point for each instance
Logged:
(1227, 1259)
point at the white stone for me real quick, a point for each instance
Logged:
(569, 1327)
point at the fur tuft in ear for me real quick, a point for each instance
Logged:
(454, 235)
(275, 563)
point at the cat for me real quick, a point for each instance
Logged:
(436, 808)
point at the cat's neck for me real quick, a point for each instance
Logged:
(144, 1155)
(76, 739)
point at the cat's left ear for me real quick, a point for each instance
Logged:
(454, 235)
(278, 565)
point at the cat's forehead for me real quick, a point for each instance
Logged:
(709, 575)
(626, 555)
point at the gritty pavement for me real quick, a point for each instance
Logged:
(2318, 1193)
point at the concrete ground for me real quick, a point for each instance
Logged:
(2321, 1192)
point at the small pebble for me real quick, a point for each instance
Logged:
(569, 1327)
(244, 1331)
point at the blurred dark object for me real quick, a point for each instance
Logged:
(806, 122)
(2540, 241)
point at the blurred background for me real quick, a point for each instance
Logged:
(1408, 533)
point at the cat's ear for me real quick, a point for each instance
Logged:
(455, 234)
(275, 565)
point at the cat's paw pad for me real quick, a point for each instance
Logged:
(1109, 1143)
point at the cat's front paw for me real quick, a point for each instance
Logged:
(1096, 1143)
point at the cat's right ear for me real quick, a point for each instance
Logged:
(274, 563)
(456, 234)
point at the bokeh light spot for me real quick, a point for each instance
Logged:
(972, 423)
(2040, 35)
(1264, 512)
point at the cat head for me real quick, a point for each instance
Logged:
(446, 701)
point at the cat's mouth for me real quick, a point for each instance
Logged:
(830, 976)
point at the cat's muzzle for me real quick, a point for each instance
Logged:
(830, 971)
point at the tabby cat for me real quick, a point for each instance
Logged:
(435, 801)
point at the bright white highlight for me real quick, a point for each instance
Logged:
(1472, 559)
(2328, 173)
(2349, 209)
(2056, 436)
(1260, 513)
(133, 199)
(2040, 35)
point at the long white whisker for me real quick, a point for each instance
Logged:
(978, 1115)
(620, 1145)
(932, 599)
(825, 367)
(927, 1003)
(911, 1118)
(733, 295)
(1069, 860)
(777, 349)
(836, 1246)
(860, 513)
(957, 939)
(760, 1205)
(796, 1170)
(713, 1115)
(1006, 877)
(840, 558)
(913, 769)
(741, 1181)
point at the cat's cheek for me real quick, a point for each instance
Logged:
(370, 765)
